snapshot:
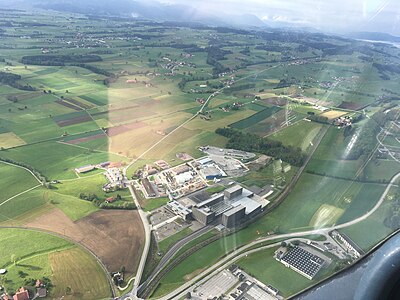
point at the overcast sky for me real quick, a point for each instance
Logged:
(327, 15)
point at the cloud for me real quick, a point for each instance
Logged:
(334, 15)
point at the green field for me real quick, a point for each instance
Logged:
(141, 86)
(372, 230)
(165, 244)
(301, 134)
(45, 255)
(55, 160)
(152, 204)
(254, 119)
(263, 266)
(9, 175)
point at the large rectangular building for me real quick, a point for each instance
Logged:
(303, 262)
(233, 216)
(233, 192)
(148, 188)
(204, 215)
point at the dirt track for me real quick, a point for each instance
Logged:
(115, 236)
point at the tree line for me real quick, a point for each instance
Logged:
(254, 143)
(39, 175)
(12, 80)
(366, 141)
(214, 55)
(59, 60)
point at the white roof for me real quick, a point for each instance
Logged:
(250, 204)
(204, 160)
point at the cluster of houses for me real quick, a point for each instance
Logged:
(23, 293)
(343, 121)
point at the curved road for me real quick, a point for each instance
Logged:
(182, 290)
(173, 250)
(111, 283)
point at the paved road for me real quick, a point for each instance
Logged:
(173, 250)
(182, 290)
(147, 231)
(21, 167)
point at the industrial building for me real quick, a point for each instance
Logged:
(233, 192)
(302, 261)
(179, 209)
(230, 208)
(233, 216)
(211, 172)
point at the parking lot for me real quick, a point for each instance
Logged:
(217, 285)
(168, 229)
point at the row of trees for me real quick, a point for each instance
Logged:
(102, 204)
(95, 69)
(12, 80)
(39, 175)
(366, 140)
(254, 143)
(392, 219)
(59, 60)
(214, 55)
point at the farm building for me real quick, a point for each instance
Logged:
(110, 199)
(149, 188)
(85, 169)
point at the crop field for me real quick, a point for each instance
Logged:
(73, 93)
(333, 114)
(52, 257)
(329, 158)
(373, 230)
(326, 215)
(301, 134)
(9, 140)
(254, 119)
(56, 160)
(9, 175)
(124, 238)
(73, 268)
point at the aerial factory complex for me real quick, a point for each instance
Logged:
(144, 159)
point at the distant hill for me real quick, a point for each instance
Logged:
(145, 9)
(375, 36)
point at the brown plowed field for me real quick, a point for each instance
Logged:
(115, 236)
(73, 121)
(87, 139)
(113, 131)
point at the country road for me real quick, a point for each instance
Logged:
(107, 274)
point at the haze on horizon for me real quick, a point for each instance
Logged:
(332, 16)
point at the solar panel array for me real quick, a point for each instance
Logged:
(303, 261)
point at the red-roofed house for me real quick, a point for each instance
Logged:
(110, 200)
(22, 294)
